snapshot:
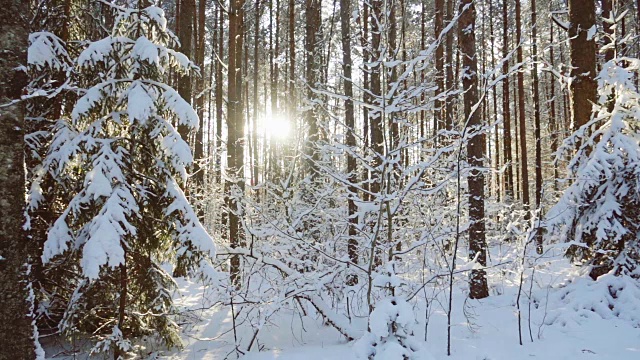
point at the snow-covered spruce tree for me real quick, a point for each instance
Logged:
(121, 158)
(599, 213)
(48, 63)
(390, 335)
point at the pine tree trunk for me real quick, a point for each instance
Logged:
(16, 331)
(274, 64)
(449, 79)
(439, 75)
(516, 142)
(199, 139)
(210, 97)
(524, 165)
(393, 75)
(475, 148)
(376, 116)
(495, 106)
(345, 24)
(363, 23)
(218, 93)
(256, 61)
(235, 130)
(508, 178)
(536, 111)
(312, 49)
(553, 121)
(292, 61)
(185, 34)
(119, 354)
(608, 29)
(582, 19)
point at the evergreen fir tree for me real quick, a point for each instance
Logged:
(121, 161)
(598, 214)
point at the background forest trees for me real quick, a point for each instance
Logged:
(337, 145)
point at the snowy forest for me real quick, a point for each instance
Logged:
(320, 179)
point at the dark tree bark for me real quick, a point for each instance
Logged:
(536, 113)
(292, 60)
(439, 75)
(608, 29)
(118, 353)
(516, 137)
(393, 74)
(582, 19)
(235, 130)
(475, 148)
(256, 62)
(16, 331)
(375, 116)
(274, 64)
(553, 122)
(495, 104)
(200, 86)
(363, 23)
(524, 165)
(313, 52)
(218, 92)
(508, 178)
(449, 81)
(347, 63)
(185, 34)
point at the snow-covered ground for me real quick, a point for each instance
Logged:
(572, 317)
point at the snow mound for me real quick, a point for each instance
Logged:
(609, 297)
(390, 335)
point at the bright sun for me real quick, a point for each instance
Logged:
(277, 127)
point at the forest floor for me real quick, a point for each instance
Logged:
(571, 317)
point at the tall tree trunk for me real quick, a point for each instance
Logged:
(292, 61)
(345, 25)
(524, 165)
(450, 81)
(235, 130)
(608, 29)
(16, 332)
(210, 89)
(313, 51)
(553, 121)
(508, 178)
(495, 103)
(536, 113)
(439, 75)
(256, 61)
(64, 36)
(185, 34)
(392, 52)
(274, 64)
(118, 353)
(219, 80)
(478, 287)
(582, 19)
(363, 23)
(376, 115)
(516, 138)
(199, 100)
(437, 112)
(566, 123)
(482, 83)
